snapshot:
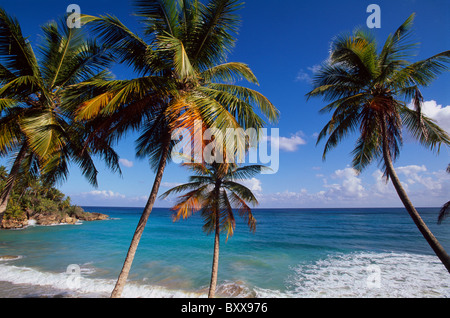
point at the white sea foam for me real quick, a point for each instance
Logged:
(339, 275)
(82, 286)
(387, 275)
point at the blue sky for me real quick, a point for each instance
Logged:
(282, 42)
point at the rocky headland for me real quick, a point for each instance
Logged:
(32, 218)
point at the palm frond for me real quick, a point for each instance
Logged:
(215, 32)
(7, 103)
(397, 45)
(182, 64)
(43, 133)
(158, 16)
(227, 220)
(422, 72)
(15, 50)
(245, 172)
(336, 81)
(199, 169)
(366, 150)
(19, 87)
(357, 52)
(443, 213)
(424, 129)
(343, 122)
(115, 94)
(126, 46)
(11, 136)
(190, 203)
(251, 97)
(244, 210)
(181, 188)
(241, 191)
(229, 73)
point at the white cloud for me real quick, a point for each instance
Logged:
(411, 172)
(436, 112)
(127, 163)
(292, 143)
(350, 187)
(420, 176)
(111, 198)
(170, 184)
(381, 188)
(411, 169)
(289, 144)
(345, 188)
(104, 194)
(307, 76)
(303, 76)
(253, 184)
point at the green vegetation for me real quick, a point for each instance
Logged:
(32, 197)
(36, 131)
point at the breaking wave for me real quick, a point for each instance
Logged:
(358, 275)
(354, 275)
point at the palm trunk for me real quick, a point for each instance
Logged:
(430, 238)
(215, 264)
(120, 284)
(6, 192)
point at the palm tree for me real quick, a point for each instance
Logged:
(183, 76)
(215, 191)
(364, 89)
(443, 213)
(34, 128)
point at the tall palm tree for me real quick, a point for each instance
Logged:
(34, 128)
(183, 76)
(215, 191)
(366, 91)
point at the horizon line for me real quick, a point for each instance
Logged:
(271, 208)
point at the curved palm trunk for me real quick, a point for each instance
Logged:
(215, 264)
(120, 284)
(6, 192)
(423, 228)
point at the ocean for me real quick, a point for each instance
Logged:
(294, 253)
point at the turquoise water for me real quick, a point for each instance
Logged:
(293, 253)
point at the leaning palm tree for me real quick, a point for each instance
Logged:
(183, 77)
(366, 91)
(215, 191)
(34, 129)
